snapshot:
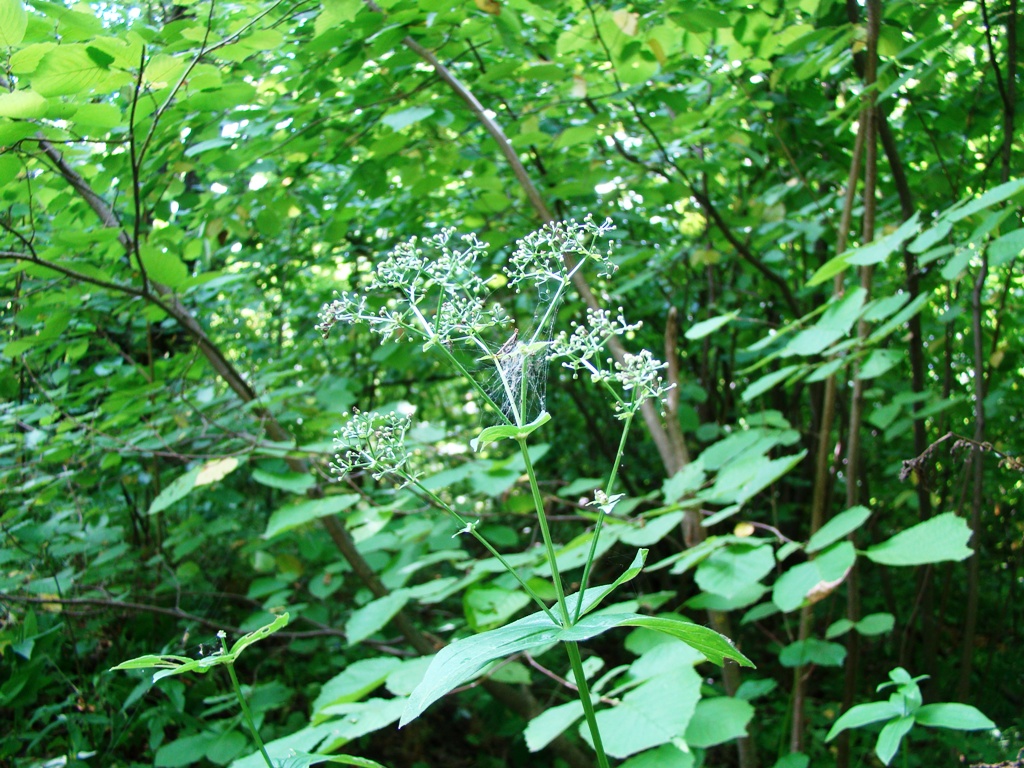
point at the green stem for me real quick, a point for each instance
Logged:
(427, 333)
(470, 528)
(588, 706)
(585, 580)
(246, 714)
(545, 533)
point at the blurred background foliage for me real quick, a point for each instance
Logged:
(182, 186)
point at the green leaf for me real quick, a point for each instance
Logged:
(23, 105)
(716, 648)
(293, 482)
(367, 620)
(305, 759)
(861, 715)
(295, 515)
(987, 200)
(184, 751)
(709, 326)
(665, 756)
(875, 624)
(812, 651)
(354, 682)
(405, 118)
(649, 715)
(959, 717)
(255, 636)
(793, 760)
(593, 596)
(488, 606)
(551, 723)
(940, 539)
(13, 22)
(1006, 248)
(100, 57)
(813, 578)
(834, 324)
(163, 266)
(769, 381)
(891, 736)
(464, 659)
(838, 527)
(508, 431)
(177, 490)
(717, 721)
(730, 570)
(69, 70)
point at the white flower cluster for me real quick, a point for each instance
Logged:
(374, 442)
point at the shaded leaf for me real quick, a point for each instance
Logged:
(943, 537)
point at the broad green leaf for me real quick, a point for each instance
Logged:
(464, 659)
(184, 751)
(665, 756)
(650, 531)
(358, 718)
(838, 527)
(354, 682)
(891, 736)
(718, 720)
(305, 759)
(205, 474)
(164, 266)
(488, 606)
(940, 539)
(834, 324)
(716, 648)
(987, 200)
(861, 715)
(294, 515)
(227, 746)
(875, 624)
(793, 760)
(551, 723)
(177, 490)
(336, 13)
(873, 253)
(812, 651)
(405, 118)
(709, 326)
(293, 482)
(163, 70)
(13, 22)
(23, 105)
(367, 620)
(959, 717)
(280, 750)
(216, 470)
(880, 361)
(930, 236)
(508, 431)
(729, 570)
(814, 578)
(1006, 247)
(769, 381)
(686, 481)
(650, 715)
(880, 250)
(255, 636)
(69, 70)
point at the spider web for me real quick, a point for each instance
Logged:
(524, 354)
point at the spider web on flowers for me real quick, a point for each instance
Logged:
(524, 354)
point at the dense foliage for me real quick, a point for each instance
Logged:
(817, 218)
